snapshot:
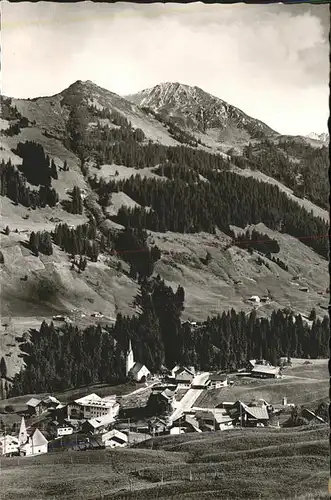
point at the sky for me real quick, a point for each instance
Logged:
(271, 61)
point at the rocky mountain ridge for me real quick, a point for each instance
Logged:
(198, 110)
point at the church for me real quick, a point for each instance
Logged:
(137, 371)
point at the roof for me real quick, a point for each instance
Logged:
(219, 415)
(114, 433)
(191, 421)
(100, 421)
(33, 402)
(180, 369)
(7, 440)
(184, 374)
(137, 367)
(260, 413)
(269, 370)
(167, 393)
(51, 399)
(95, 400)
(38, 439)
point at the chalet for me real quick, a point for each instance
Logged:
(138, 426)
(214, 419)
(98, 425)
(36, 406)
(178, 368)
(51, 403)
(260, 362)
(157, 426)
(217, 380)
(249, 416)
(114, 439)
(264, 371)
(161, 401)
(9, 446)
(185, 423)
(135, 370)
(183, 376)
(37, 444)
(92, 406)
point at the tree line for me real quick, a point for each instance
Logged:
(256, 241)
(13, 184)
(66, 357)
(190, 206)
(36, 166)
(298, 165)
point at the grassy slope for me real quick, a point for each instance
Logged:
(257, 463)
(209, 290)
(302, 384)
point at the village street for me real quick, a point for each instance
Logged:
(190, 397)
(186, 403)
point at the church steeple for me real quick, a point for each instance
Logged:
(129, 359)
(23, 435)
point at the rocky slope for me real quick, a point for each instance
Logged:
(206, 115)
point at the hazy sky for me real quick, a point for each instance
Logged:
(271, 61)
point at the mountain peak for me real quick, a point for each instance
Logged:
(195, 109)
(319, 137)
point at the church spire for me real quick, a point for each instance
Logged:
(129, 359)
(23, 435)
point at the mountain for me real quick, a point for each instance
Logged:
(118, 164)
(324, 138)
(201, 112)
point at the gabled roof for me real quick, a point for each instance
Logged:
(180, 369)
(168, 394)
(265, 369)
(184, 374)
(114, 433)
(34, 402)
(51, 399)
(137, 367)
(38, 439)
(100, 421)
(260, 413)
(95, 400)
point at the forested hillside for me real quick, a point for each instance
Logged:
(107, 195)
(61, 358)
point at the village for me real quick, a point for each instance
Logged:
(167, 404)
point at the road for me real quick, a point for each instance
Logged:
(186, 403)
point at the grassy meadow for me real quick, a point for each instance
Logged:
(251, 464)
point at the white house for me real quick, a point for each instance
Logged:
(217, 380)
(64, 430)
(37, 444)
(265, 371)
(255, 298)
(114, 438)
(92, 406)
(9, 445)
(183, 376)
(136, 370)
